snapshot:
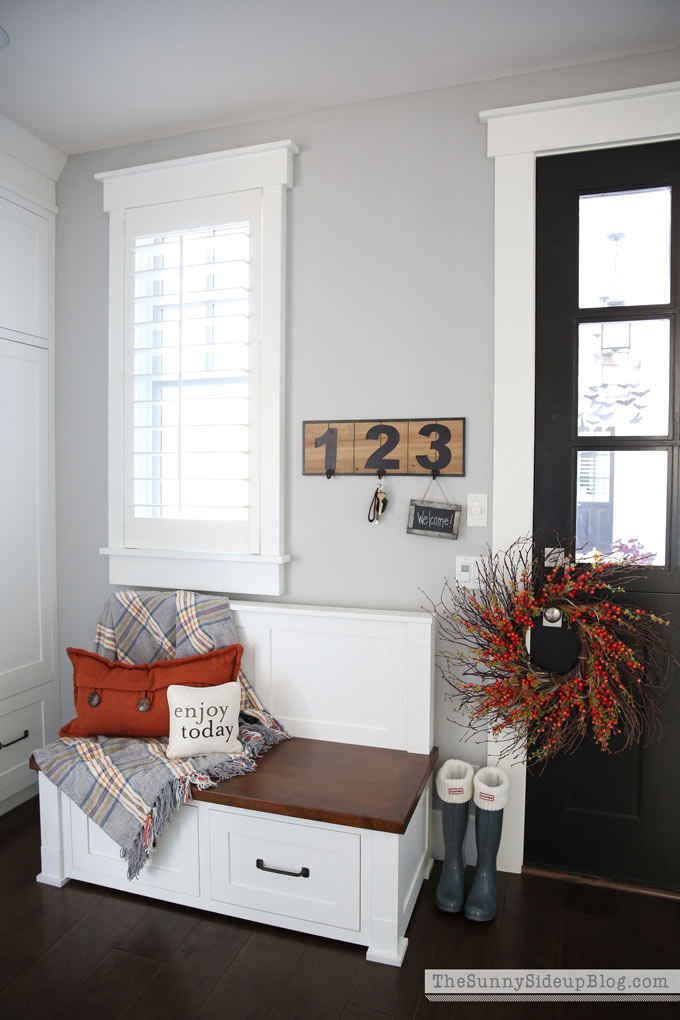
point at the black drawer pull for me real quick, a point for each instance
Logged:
(10, 742)
(303, 873)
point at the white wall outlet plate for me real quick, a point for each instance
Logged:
(477, 505)
(467, 571)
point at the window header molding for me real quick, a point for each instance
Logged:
(595, 121)
(214, 173)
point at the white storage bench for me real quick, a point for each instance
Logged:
(329, 836)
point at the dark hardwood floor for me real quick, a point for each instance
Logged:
(83, 951)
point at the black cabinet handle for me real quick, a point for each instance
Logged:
(303, 873)
(10, 742)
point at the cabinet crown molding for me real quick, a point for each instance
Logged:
(29, 166)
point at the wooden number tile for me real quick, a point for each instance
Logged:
(381, 445)
(436, 444)
(335, 447)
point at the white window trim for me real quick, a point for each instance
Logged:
(515, 137)
(269, 168)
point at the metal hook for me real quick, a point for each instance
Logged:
(381, 472)
(435, 473)
(330, 472)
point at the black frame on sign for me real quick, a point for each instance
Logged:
(416, 504)
(386, 471)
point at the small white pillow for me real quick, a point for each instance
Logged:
(204, 720)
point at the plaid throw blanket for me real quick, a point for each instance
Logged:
(129, 787)
(147, 626)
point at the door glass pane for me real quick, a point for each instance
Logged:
(621, 503)
(624, 248)
(623, 378)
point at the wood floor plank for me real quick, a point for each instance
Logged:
(87, 951)
(397, 990)
(656, 924)
(251, 985)
(588, 941)
(179, 988)
(599, 901)
(357, 1013)
(16, 821)
(531, 905)
(37, 921)
(320, 983)
(34, 916)
(455, 942)
(57, 974)
(113, 984)
(160, 931)
(20, 841)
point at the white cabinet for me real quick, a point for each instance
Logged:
(27, 654)
(341, 882)
(28, 661)
(25, 721)
(24, 270)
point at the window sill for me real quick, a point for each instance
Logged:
(223, 572)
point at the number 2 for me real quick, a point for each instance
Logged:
(377, 461)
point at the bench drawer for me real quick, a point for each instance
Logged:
(173, 865)
(27, 713)
(296, 870)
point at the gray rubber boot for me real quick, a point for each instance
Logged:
(491, 793)
(454, 786)
(450, 895)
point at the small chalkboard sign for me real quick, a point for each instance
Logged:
(435, 520)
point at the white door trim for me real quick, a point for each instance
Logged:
(515, 137)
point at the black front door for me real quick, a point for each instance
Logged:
(607, 472)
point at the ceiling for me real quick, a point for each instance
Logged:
(89, 74)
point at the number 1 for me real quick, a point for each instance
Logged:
(330, 439)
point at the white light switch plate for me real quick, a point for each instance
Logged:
(467, 573)
(477, 503)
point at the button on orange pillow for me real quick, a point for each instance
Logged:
(113, 699)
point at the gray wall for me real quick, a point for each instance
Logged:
(390, 314)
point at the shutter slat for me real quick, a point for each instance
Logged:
(197, 336)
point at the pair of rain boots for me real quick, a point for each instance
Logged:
(457, 786)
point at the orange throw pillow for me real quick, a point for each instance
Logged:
(113, 699)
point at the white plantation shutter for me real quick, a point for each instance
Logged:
(192, 374)
(197, 285)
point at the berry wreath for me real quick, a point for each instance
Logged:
(624, 663)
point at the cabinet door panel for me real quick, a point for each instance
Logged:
(24, 270)
(26, 721)
(26, 652)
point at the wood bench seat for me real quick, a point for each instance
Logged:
(326, 781)
(342, 784)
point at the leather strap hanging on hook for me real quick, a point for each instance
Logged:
(377, 506)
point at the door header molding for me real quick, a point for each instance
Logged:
(602, 119)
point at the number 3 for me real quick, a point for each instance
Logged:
(438, 445)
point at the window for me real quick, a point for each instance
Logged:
(196, 367)
(607, 432)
